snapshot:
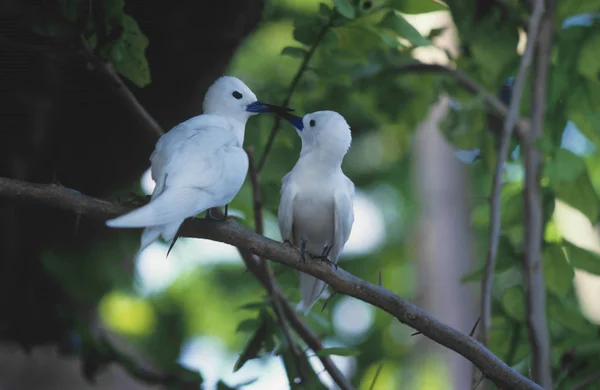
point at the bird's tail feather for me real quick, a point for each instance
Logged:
(173, 205)
(151, 234)
(311, 290)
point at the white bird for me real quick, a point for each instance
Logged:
(316, 208)
(199, 164)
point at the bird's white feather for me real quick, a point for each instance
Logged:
(197, 165)
(316, 204)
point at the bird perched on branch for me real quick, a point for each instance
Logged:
(200, 163)
(316, 208)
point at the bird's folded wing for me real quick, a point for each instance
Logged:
(174, 205)
(192, 154)
(285, 214)
(343, 217)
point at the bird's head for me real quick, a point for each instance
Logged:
(230, 97)
(324, 130)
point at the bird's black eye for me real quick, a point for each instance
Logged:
(312, 123)
(237, 95)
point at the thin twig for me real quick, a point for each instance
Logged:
(514, 344)
(495, 211)
(256, 195)
(533, 278)
(127, 97)
(266, 268)
(329, 298)
(376, 376)
(232, 233)
(303, 67)
(481, 378)
(588, 382)
(474, 328)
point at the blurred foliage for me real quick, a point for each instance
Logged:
(352, 72)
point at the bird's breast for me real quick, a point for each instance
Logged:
(313, 219)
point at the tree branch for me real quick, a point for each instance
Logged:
(232, 233)
(470, 85)
(291, 89)
(265, 267)
(124, 94)
(587, 383)
(281, 306)
(533, 278)
(495, 212)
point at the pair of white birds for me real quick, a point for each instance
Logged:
(201, 163)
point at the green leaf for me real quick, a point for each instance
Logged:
(396, 22)
(337, 351)
(254, 305)
(464, 127)
(127, 52)
(247, 325)
(574, 7)
(224, 386)
(492, 43)
(581, 195)
(306, 31)
(505, 259)
(435, 32)
(583, 101)
(324, 10)
(592, 163)
(116, 53)
(296, 52)
(301, 375)
(558, 273)
(134, 65)
(513, 301)
(389, 39)
(568, 315)
(334, 76)
(345, 8)
(588, 63)
(582, 259)
(69, 9)
(254, 345)
(417, 6)
(565, 166)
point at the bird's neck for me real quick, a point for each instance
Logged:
(320, 160)
(238, 128)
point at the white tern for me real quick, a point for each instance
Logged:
(198, 164)
(316, 208)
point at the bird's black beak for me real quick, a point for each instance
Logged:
(259, 107)
(296, 121)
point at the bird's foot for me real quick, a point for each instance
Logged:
(137, 200)
(325, 259)
(324, 256)
(210, 216)
(303, 251)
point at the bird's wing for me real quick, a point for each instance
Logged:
(285, 214)
(187, 154)
(172, 205)
(343, 217)
(189, 166)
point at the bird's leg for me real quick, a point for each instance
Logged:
(324, 256)
(137, 200)
(226, 211)
(303, 250)
(210, 216)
